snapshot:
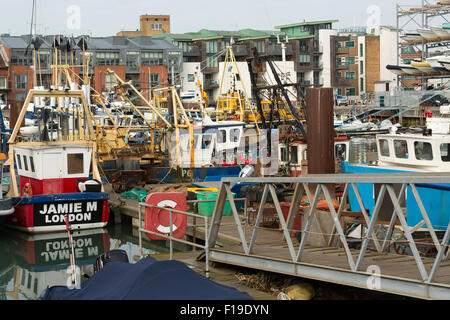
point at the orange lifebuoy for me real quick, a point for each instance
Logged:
(158, 220)
(27, 190)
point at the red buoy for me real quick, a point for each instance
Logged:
(158, 220)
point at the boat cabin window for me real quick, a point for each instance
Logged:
(75, 163)
(234, 135)
(401, 149)
(294, 154)
(206, 141)
(423, 151)
(19, 161)
(384, 148)
(222, 136)
(283, 154)
(32, 164)
(25, 162)
(445, 152)
(341, 151)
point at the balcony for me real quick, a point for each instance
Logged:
(318, 65)
(343, 82)
(342, 50)
(318, 82)
(211, 83)
(342, 66)
(318, 49)
(191, 51)
(240, 50)
(304, 83)
(275, 50)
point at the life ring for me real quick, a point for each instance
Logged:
(27, 191)
(158, 220)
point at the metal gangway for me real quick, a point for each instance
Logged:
(373, 266)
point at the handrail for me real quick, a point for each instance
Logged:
(303, 188)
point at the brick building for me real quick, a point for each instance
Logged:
(150, 25)
(142, 59)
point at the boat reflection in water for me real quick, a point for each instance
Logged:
(31, 263)
(44, 260)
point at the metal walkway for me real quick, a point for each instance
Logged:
(277, 251)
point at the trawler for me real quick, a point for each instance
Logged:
(54, 178)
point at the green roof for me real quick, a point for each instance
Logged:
(310, 23)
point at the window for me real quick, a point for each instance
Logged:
(351, 92)
(20, 81)
(283, 154)
(350, 75)
(222, 136)
(19, 161)
(154, 80)
(156, 26)
(25, 162)
(18, 58)
(212, 62)
(349, 61)
(75, 163)
(445, 152)
(109, 81)
(2, 82)
(401, 149)
(361, 67)
(304, 46)
(305, 59)
(260, 46)
(211, 47)
(361, 84)
(206, 141)
(349, 44)
(294, 154)
(191, 77)
(152, 58)
(423, 151)
(107, 58)
(361, 50)
(384, 148)
(20, 96)
(234, 135)
(32, 164)
(340, 151)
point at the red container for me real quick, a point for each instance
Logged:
(285, 206)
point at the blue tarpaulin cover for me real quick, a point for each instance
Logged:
(147, 279)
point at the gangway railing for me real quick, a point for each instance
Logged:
(319, 184)
(170, 236)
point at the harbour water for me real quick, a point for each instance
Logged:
(31, 263)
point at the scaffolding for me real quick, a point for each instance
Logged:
(421, 17)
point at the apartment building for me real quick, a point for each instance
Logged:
(150, 25)
(301, 60)
(148, 62)
(359, 58)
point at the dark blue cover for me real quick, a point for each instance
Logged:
(147, 279)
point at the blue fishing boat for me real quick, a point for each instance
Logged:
(419, 152)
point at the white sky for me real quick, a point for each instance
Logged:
(107, 17)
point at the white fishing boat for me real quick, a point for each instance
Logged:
(395, 69)
(409, 69)
(423, 150)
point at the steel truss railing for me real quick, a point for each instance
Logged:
(386, 181)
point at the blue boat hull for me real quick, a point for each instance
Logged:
(435, 198)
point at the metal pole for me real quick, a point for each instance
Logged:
(171, 235)
(140, 234)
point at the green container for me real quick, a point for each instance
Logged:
(207, 208)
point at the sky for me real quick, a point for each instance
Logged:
(107, 17)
